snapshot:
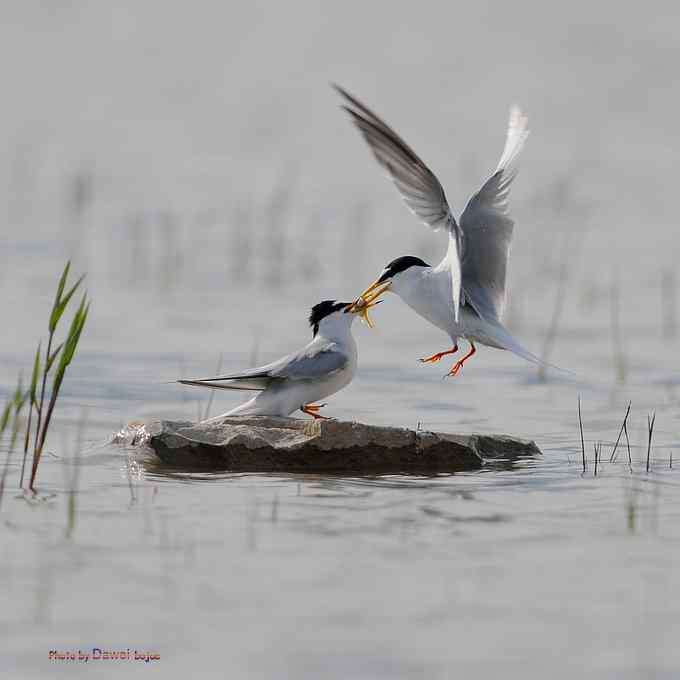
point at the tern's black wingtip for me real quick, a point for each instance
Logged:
(346, 95)
(351, 111)
(339, 89)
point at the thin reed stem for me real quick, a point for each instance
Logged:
(4, 420)
(15, 404)
(32, 403)
(211, 397)
(580, 424)
(41, 403)
(618, 439)
(27, 438)
(650, 430)
(64, 352)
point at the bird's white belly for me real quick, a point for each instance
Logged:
(439, 316)
(432, 301)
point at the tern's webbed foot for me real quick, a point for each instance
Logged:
(312, 410)
(455, 369)
(438, 355)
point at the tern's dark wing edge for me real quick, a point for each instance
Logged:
(417, 184)
(250, 383)
(256, 378)
(316, 361)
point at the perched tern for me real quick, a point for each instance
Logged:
(321, 368)
(464, 295)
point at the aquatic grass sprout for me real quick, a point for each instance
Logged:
(651, 419)
(623, 431)
(32, 401)
(61, 356)
(580, 424)
(15, 404)
(618, 439)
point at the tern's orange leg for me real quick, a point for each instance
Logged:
(439, 355)
(312, 410)
(459, 364)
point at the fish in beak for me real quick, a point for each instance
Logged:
(368, 299)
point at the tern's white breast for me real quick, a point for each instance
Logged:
(429, 295)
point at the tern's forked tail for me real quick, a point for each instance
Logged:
(504, 339)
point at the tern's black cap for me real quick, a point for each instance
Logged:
(401, 264)
(322, 310)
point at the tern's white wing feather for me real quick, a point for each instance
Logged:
(417, 184)
(518, 131)
(487, 229)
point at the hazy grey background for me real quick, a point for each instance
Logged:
(192, 159)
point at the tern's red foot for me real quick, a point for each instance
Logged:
(312, 410)
(438, 355)
(459, 364)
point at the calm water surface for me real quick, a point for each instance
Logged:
(211, 217)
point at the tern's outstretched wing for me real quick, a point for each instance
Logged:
(416, 183)
(487, 229)
(316, 360)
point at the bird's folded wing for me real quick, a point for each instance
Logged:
(257, 378)
(417, 184)
(315, 361)
(256, 384)
(487, 230)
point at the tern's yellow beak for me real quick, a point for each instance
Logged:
(368, 299)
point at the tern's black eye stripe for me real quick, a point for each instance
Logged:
(401, 264)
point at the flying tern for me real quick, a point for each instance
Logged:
(321, 368)
(464, 295)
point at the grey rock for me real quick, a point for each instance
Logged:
(269, 444)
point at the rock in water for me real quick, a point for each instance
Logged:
(269, 444)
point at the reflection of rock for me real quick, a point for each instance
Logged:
(263, 443)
